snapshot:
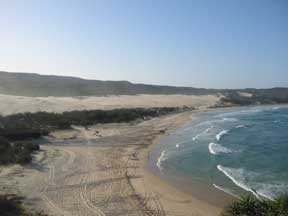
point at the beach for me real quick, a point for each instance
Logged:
(224, 154)
(174, 201)
(102, 170)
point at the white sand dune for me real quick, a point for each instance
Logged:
(14, 104)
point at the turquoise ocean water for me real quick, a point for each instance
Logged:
(238, 151)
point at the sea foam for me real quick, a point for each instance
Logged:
(215, 148)
(219, 135)
(237, 176)
(239, 113)
(226, 190)
(202, 133)
(160, 160)
(230, 119)
(271, 190)
(249, 181)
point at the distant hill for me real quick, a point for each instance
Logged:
(28, 84)
(35, 85)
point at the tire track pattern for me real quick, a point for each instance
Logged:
(90, 180)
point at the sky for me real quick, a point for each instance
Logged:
(200, 43)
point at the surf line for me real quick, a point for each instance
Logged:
(215, 148)
(161, 159)
(202, 133)
(239, 184)
(219, 135)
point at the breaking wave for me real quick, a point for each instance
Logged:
(241, 112)
(215, 149)
(219, 135)
(237, 176)
(230, 119)
(242, 178)
(202, 133)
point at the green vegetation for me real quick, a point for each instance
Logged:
(16, 152)
(28, 84)
(33, 125)
(17, 131)
(259, 96)
(35, 85)
(249, 206)
(11, 205)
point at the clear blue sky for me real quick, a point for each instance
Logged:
(216, 43)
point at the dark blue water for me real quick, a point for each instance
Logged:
(238, 151)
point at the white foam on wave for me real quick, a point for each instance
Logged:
(202, 133)
(240, 112)
(215, 149)
(160, 160)
(226, 190)
(230, 119)
(275, 108)
(242, 178)
(271, 190)
(240, 126)
(188, 128)
(237, 177)
(203, 123)
(219, 135)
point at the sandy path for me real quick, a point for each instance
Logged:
(101, 176)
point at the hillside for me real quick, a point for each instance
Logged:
(35, 85)
(28, 84)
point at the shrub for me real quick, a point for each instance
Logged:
(27, 126)
(17, 152)
(11, 205)
(250, 206)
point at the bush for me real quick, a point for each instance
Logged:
(34, 125)
(5, 151)
(27, 126)
(11, 205)
(250, 206)
(17, 152)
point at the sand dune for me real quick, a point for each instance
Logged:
(15, 104)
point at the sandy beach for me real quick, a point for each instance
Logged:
(175, 202)
(102, 170)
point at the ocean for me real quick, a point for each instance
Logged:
(236, 151)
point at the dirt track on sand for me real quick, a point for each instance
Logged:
(90, 171)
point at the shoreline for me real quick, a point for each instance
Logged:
(104, 168)
(198, 196)
(171, 197)
(101, 169)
